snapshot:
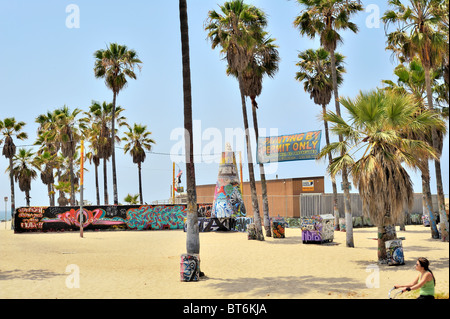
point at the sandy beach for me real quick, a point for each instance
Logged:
(133, 264)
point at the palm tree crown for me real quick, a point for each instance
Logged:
(24, 171)
(418, 33)
(315, 73)
(324, 18)
(138, 140)
(237, 30)
(115, 64)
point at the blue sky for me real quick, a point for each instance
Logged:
(46, 65)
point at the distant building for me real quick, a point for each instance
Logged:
(283, 194)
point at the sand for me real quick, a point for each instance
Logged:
(147, 265)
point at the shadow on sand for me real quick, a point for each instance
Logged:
(34, 274)
(288, 285)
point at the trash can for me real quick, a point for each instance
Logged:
(318, 229)
(394, 252)
(278, 228)
(426, 220)
(251, 230)
(189, 267)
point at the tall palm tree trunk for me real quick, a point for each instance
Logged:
(11, 178)
(385, 232)
(441, 202)
(333, 179)
(27, 197)
(193, 238)
(255, 205)
(49, 191)
(72, 184)
(113, 136)
(345, 183)
(428, 208)
(437, 163)
(97, 188)
(105, 183)
(140, 184)
(263, 180)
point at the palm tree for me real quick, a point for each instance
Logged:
(46, 162)
(264, 62)
(69, 175)
(192, 230)
(115, 64)
(9, 128)
(324, 18)
(58, 130)
(315, 73)
(98, 125)
(376, 129)
(419, 34)
(131, 199)
(411, 80)
(91, 133)
(239, 30)
(68, 137)
(24, 171)
(138, 140)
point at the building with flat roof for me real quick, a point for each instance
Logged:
(283, 194)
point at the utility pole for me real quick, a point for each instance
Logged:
(81, 187)
(173, 184)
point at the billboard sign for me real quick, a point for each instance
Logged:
(294, 147)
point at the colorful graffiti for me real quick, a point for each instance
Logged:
(228, 200)
(318, 228)
(94, 217)
(241, 223)
(133, 217)
(214, 224)
(30, 218)
(394, 251)
(156, 217)
(278, 229)
(189, 267)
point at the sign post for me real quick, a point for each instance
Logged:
(81, 187)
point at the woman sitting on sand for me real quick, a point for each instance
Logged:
(425, 281)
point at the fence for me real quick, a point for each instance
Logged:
(313, 204)
(306, 205)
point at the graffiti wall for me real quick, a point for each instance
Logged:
(134, 217)
(215, 224)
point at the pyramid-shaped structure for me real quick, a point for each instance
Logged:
(228, 202)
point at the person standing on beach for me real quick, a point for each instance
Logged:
(425, 280)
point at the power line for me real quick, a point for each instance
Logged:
(121, 148)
